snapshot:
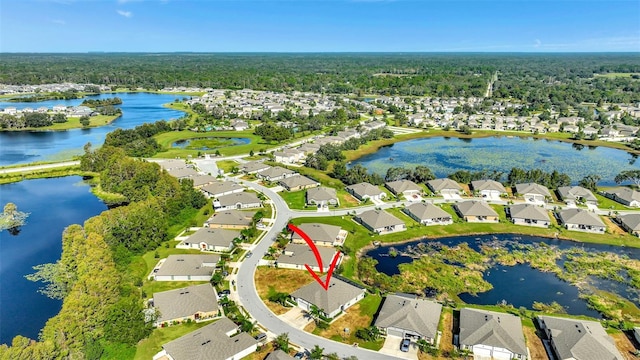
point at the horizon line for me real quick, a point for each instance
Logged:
(315, 52)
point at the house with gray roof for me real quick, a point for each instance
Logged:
(490, 189)
(476, 211)
(444, 186)
(182, 173)
(278, 355)
(528, 214)
(289, 156)
(339, 296)
(573, 195)
(404, 187)
(363, 191)
(221, 340)
(172, 164)
(185, 267)
(533, 193)
(380, 221)
(276, 173)
(322, 196)
(581, 220)
(195, 303)
(231, 219)
(624, 196)
(321, 234)
(202, 180)
(403, 316)
(296, 256)
(221, 188)
(237, 201)
(428, 214)
(630, 222)
(295, 183)
(253, 167)
(207, 239)
(573, 339)
(491, 335)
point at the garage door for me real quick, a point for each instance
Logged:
(395, 332)
(501, 355)
(481, 354)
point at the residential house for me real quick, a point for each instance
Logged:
(404, 187)
(200, 181)
(231, 219)
(207, 239)
(445, 187)
(321, 234)
(572, 195)
(533, 193)
(296, 256)
(528, 214)
(490, 189)
(238, 201)
(221, 188)
(573, 339)
(630, 222)
(221, 340)
(338, 297)
(172, 164)
(276, 173)
(476, 211)
(195, 303)
(253, 167)
(380, 221)
(309, 148)
(624, 196)
(182, 173)
(428, 214)
(289, 156)
(407, 316)
(363, 191)
(322, 196)
(185, 268)
(239, 125)
(295, 183)
(491, 335)
(279, 355)
(581, 220)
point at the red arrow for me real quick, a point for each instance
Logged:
(324, 284)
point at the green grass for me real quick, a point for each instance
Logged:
(226, 165)
(616, 75)
(370, 304)
(166, 139)
(608, 204)
(153, 344)
(42, 174)
(296, 199)
(72, 123)
(117, 351)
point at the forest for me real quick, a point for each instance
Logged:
(536, 79)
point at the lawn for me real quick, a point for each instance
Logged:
(153, 344)
(74, 123)
(167, 139)
(226, 165)
(279, 280)
(295, 199)
(608, 204)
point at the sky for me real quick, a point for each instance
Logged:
(319, 26)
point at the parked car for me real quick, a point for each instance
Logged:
(404, 346)
(260, 336)
(224, 293)
(249, 254)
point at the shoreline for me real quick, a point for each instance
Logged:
(109, 121)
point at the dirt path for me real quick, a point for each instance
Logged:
(625, 345)
(613, 227)
(534, 343)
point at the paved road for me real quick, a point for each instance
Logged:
(38, 167)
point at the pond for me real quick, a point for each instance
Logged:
(445, 155)
(53, 204)
(30, 146)
(518, 285)
(209, 143)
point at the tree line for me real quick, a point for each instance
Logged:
(31, 120)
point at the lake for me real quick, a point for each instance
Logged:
(446, 155)
(29, 146)
(53, 204)
(519, 285)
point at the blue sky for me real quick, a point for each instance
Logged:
(319, 26)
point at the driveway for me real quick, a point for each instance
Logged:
(296, 317)
(392, 347)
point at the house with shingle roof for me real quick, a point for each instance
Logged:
(528, 214)
(428, 214)
(231, 219)
(322, 196)
(573, 339)
(476, 211)
(207, 239)
(276, 173)
(221, 188)
(581, 220)
(185, 267)
(491, 335)
(221, 340)
(380, 221)
(364, 190)
(624, 196)
(296, 256)
(321, 234)
(237, 201)
(195, 303)
(630, 222)
(202, 180)
(253, 167)
(404, 187)
(182, 173)
(172, 164)
(444, 186)
(402, 315)
(300, 182)
(533, 193)
(278, 355)
(488, 188)
(572, 195)
(338, 297)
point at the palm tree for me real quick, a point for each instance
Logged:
(316, 353)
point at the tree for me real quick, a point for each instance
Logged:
(628, 175)
(85, 121)
(316, 353)
(11, 219)
(590, 182)
(282, 342)
(59, 118)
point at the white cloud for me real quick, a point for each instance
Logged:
(126, 14)
(59, 22)
(537, 43)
